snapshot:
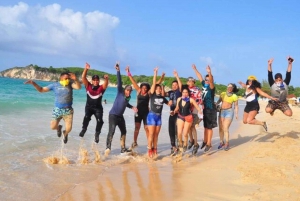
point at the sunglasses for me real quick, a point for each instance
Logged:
(96, 80)
(206, 80)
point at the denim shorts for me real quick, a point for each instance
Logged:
(228, 113)
(153, 119)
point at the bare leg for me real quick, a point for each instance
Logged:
(226, 125)
(156, 133)
(54, 124)
(186, 129)
(208, 134)
(68, 123)
(221, 131)
(251, 118)
(191, 134)
(269, 110)
(146, 130)
(288, 113)
(151, 136)
(180, 125)
(136, 131)
(194, 133)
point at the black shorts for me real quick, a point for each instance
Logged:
(251, 106)
(142, 116)
(210, 118)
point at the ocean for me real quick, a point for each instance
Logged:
(26, 140)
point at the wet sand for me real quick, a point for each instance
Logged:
(259, 166)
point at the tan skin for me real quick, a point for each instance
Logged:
(154, 130)
(143, 91)
(224, 123)
(279, 80)
(183, 127)
(208, 133)
(249, 118)
(75, 85)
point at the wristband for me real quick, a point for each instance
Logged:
(129, 74)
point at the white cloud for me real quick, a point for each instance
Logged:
(52, 30)
(206, 60)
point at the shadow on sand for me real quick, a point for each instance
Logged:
(271, 137)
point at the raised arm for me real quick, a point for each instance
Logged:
(119, 80)
(154, 80)
(178, 80)
(270, 73)
(290, 61)
(84, 73)
(243, 85)
(36, 86)
(210, 77)
(161, 78)
(105, 83)
(136, 87)
(289, 70)
(76, 84)
(163, 93)
(197, 73)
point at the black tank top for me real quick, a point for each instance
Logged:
(157, 102)
(186, 109)
(143, 103)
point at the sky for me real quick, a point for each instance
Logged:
(235, 37)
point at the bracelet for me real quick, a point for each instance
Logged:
(129, 74)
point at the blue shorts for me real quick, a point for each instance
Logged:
(227, 113)
(153, 119)
(59, 113)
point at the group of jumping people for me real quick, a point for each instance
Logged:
(189, 105)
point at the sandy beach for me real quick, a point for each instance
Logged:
(259, 166)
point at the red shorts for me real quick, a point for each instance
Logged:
(188, 118)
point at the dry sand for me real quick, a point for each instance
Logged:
(259, 166)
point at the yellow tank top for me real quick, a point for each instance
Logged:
(228, 99)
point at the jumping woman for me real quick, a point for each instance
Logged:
(253, 90)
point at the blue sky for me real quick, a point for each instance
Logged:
(236, 37)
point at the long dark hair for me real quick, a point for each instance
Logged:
(185, 86)
(255, 84)
(234, 88)
(145, 84)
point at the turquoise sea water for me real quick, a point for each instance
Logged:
(16, 96)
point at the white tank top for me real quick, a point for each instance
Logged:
(250, 95)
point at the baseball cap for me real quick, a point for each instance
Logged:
(191, 79)
(128, 87)
(95, 77)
